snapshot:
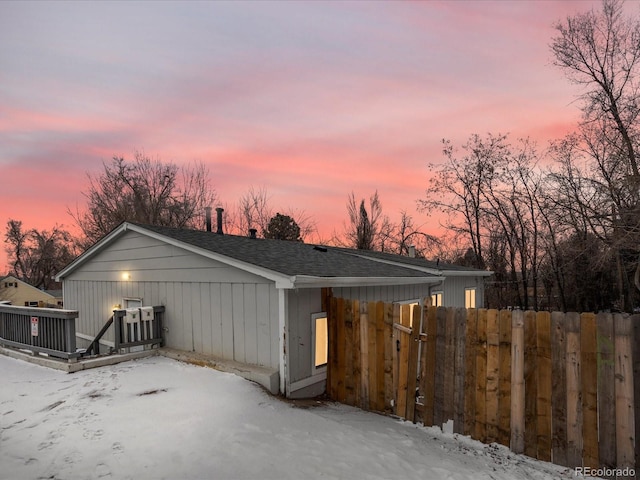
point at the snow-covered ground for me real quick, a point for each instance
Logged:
(159, 418)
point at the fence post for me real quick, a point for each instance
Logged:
(517, 382)
(70, 337)
(117, 325)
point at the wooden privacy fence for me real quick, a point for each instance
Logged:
(555, 386)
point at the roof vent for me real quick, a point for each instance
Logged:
(412, 251)
(252, 233)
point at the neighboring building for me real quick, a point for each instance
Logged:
(20, 293)
(253, 301)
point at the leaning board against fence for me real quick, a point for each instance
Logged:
(555, 386)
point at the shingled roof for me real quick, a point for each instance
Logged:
(288, 257)
(299, 264)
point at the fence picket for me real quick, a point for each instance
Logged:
(504, 399)
(470, 370)
(624, 391)
(574, 382)
(356, 354)
(480, 431)
(449, 361)
(427, 382)
(438, 401)
(364, 354)
(635, 320)
(459, 370)
(373, 355)
(350, 380)
(412, 370)
(558, 389)
(340, 352)
(380, 355)
(543, 376)
(588, 351)
(493, 375)
(606, 391)
(517, 382)
(388, 357)
(530, 384)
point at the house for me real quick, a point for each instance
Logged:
(242, 299)
(17, 292)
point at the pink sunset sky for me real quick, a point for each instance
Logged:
(310, 100)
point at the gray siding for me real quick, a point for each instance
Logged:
(211, 308)
(454, 287)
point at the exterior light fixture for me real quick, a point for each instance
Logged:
(126, 276)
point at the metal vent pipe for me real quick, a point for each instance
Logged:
(219, 211)
(207, 211)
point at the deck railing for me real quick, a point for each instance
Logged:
(41, 330)
(141, 330)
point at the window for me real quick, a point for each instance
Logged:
(411, 304)
(436, 299)
(320, 340)
(470, 298)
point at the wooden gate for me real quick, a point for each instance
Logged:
(373, 355)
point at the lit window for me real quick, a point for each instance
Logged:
(469, 298)
(436, 299)
(321, 339)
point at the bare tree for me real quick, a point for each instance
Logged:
(600, 52)
(457, 187)
(400, 237)
(254, 210)
(145, 191)
(35, 256)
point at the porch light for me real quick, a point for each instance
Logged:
(126, 276)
